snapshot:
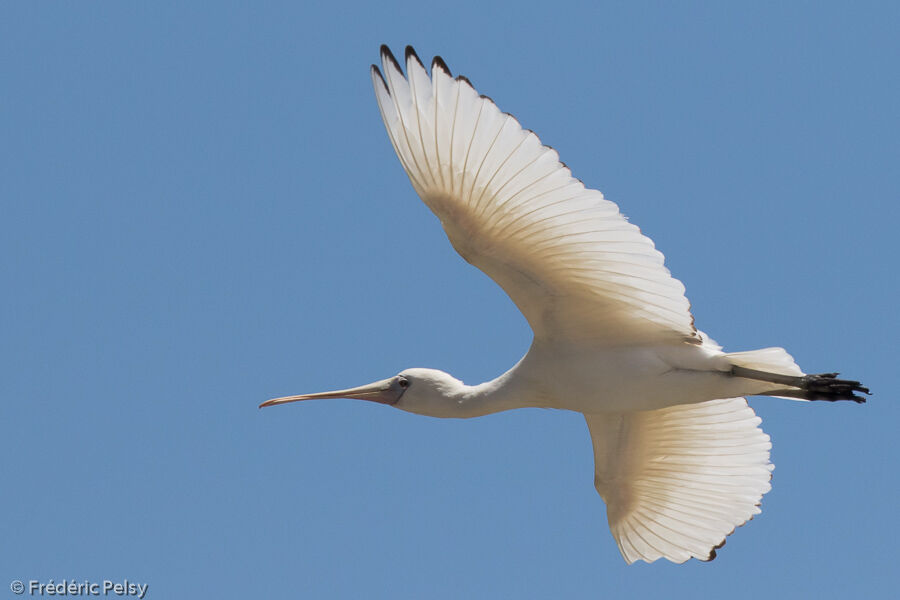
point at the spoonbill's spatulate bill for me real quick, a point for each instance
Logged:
(679, 457)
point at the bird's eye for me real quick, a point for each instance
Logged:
(403, 382)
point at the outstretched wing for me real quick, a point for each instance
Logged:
(677, 480)
(566, 256)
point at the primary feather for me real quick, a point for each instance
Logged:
(575, 267)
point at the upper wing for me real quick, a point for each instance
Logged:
(677, 480)
(569, 260)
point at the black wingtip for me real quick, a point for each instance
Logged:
(386, 54)
(464, 79)
(491, 100)
(376, 71)
(438, 62)
(712, 552)
(411, 53)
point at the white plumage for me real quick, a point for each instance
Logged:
(677, 480)
(679, 457)
(565, 255)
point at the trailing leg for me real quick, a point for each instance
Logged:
(824, 386)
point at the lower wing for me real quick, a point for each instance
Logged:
(678, 480)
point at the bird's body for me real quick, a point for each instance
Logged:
(679, 457)
(589, 379)
(593, 380)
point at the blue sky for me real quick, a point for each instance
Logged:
(200, 210)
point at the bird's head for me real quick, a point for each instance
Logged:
(421, 391)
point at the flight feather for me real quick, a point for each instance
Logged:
(575, 267)
(677, 480)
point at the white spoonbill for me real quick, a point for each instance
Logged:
(679, 457)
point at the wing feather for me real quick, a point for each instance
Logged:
(677, 480)
(575, 267)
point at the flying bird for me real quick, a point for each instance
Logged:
(679, 457)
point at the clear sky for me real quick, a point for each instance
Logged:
(200, 210)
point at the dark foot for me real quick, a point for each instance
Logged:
(826, 386)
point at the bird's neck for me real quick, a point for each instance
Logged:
(503, 393)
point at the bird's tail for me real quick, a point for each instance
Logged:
(768, 360)
(776, 366)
